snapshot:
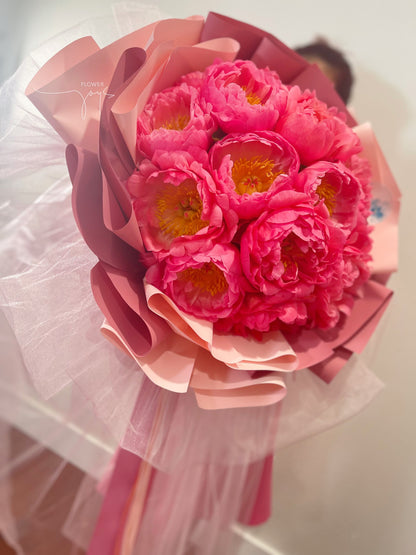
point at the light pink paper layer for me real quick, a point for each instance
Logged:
(386, 195)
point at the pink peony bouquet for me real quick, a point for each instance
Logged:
(250, 202)
(223, 186)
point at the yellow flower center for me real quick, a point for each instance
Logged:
(178, 209)
(253, 175)
(291, 254)
(251, 97)
(177, 122)
(207, 279)
(327, 193)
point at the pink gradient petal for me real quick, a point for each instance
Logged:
(249, 169)
(243, 98)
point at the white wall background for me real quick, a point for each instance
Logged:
(352, 490)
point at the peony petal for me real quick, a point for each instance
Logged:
(312, 78)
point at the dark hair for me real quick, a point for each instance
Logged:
(321, 49)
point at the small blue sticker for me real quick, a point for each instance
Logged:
(378, 209)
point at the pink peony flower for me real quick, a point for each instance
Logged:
(316, 131)
(193, 79)
(361, 169)
(293, 253)
(347, 195)
(208, 285)
(176, 208)
(262, 313)
(337, 188)
(348, 205)
(242, 97)
(357, 257)
(173, 120)
(249, 169)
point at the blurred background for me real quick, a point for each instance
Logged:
(351, 490)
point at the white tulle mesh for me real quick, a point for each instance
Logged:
(56, 322)
(98, 397)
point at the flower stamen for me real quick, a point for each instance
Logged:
(291, 255)
(253, 175)
(327, 193)
(207, 279)
(179, 208)
(177, 122)
(251, 97)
